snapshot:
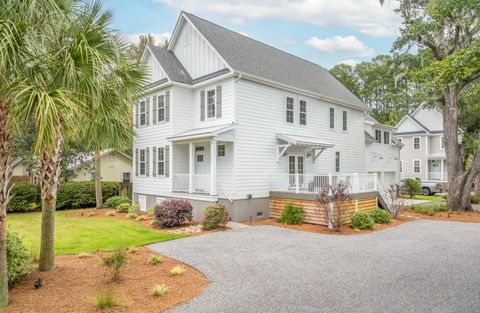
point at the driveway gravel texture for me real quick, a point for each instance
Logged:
(420, 266)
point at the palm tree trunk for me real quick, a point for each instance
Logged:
(98, 181)
(49, 173)
(5, 176)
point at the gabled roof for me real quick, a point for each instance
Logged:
(252, 57)
(171, 65)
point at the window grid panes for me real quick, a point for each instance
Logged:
(289, 110)
(416, 143)
(221, 150)
(378, 136)
(142, 113)
(161, 161)
(344, 120)
(386, 138)
(161, 108)
(332, 118)
(416, 166)
(303, 112)
(337, 162)
(142, 162)
(211, 103)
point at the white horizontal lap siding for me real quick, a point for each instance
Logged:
(407, 155)
(181, 108)
(225, 175)
(148, 137)
(227, 104)
(155, 71)
(196, 55)
(261, 114)
(381, 157)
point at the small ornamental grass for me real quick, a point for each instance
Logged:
(115, 261)
(154, 260)
(177, 270)
(111, 213)
(292, 214)
(105, 300)
(83, 255)
(133, 250)
(141, 218)
(124, 208)
(361, 221)
(427, 209)
(131, 216)
(159, 290)
(215, 216)
(380, 216)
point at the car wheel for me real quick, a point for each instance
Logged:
(426, 191)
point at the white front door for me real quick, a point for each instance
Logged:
(202, 178)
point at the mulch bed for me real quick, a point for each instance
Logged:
(453, 216)
(75, 283)
(345, 230)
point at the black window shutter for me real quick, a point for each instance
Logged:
(219, 101)
(167, 106)
(202, 105)
(154, 161)
(167, 161)
(147, 111)
(136, 162)
(136, 115)
(147, 162)
(155, 105)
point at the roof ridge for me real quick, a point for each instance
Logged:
(253, 39)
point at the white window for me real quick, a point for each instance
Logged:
(344, 119)
(221, 150)
(386, 138)
(211, 103)
(303, 112)
(378, 135)
(289, 110)
(337, 161)
(161, 108)
(126, 176)
(332, 118)
(161, 161)
(416, 143)
(143, 114)
(416, 166)
(401, 166)
(442, 142)
(143, 162)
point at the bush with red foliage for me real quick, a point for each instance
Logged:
(170, 213)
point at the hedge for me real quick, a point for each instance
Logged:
(70, 195)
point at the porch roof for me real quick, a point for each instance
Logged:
(203, 132)
(304, 141)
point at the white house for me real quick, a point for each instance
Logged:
(423, 154)
(227, 118)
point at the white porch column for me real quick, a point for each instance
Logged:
(191, 167)
(442, 175)
(213, 167)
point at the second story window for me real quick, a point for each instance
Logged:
(143, 162)
(289, 110)
(142, 113)
(211, 103)
(344, 119)
(303, 112)
(378, 135)
(161, 108)
(332, 118)
(416, 143)
(386, 138)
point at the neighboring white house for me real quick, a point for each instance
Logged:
(227, 118)
(423, 154)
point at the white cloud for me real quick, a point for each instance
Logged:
(348, 45)
(349, 62)
(159, 37)
(366, 16)
(288, 41)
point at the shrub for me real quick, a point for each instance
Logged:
(131, 216)
(177, 271)
(25, 197)
(133, 250)
(135, 207)
(141, 218)
(475, 199)
(154, 260)
(83, 255)
(412, 187)
(106, 300)
(170, 213)
(115, 262)
(334, 203)
(427, 209)
(380, 216)
(115, 201)
(123, 208)
(159, 290)
(82, 194)
(291, 214)
(215, 216)
(361, 221)
(151, 212)
(18, 258)
(153, 222)
(111, 213)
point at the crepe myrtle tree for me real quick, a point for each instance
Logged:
(449, 30)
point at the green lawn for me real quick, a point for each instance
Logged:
(74, 235)
(430, 198)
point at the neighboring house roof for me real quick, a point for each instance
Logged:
(202, 132)
(89, 157)
(411, 116)
(255, 58)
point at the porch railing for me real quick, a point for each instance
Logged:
(201, 183)
(437, 176)
(313, 183)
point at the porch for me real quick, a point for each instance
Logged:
(436, 170)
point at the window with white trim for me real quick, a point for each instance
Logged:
(161, 161)
(344, 120)
(126, 176)
(211, 103)
(332, 118)
(416, 143)
(143, 113)
(337, 161)
(416, 166)
(303, 112)
(442, 142)
(161, 108)
(221, 150)
(289, 110)
(386, 138)
(378, 135)
(142, 161)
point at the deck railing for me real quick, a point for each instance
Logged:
(201, 183)
(437, 176)
(313, 183)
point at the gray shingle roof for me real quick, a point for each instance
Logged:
(255, 58)
(172, 66)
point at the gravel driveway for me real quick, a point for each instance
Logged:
(421, 266)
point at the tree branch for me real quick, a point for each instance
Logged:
(430, 45)
(469, 80)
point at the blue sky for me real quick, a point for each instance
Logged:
(326, 32)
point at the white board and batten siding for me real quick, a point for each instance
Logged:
(260, 113)
(155, 71)
(196, 54)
